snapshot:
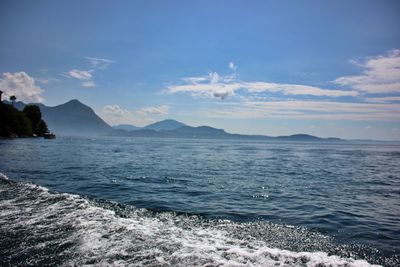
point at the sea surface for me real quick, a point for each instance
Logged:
(186, 202)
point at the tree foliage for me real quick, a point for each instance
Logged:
(41, 128)
(15, 123)
(12, 99)
(34, 114)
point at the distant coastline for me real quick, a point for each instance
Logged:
(74, 118)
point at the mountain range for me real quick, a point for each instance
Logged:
(71, 118)
(76, 118)
(157, 126)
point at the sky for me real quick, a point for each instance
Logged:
(326, 68)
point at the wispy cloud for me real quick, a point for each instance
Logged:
(380, 74)
(301, 109)
(357, 100)
(215, 85)
(156, 110)
(114, 114)
(85, 76)
(46, 80)
(22, 86)
(88, 83)
(386, 99)
(99, 63)
(80, 74)
(296, 89)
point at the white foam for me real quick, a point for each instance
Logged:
(3, 177)
(102, 238)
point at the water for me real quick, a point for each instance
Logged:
(155, 202)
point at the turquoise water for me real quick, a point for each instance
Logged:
(150, 201)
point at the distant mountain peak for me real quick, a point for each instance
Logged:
(300, 137)
(126, 127)
(168, 124)
(74, 102)
(72, 117)
(169, 120)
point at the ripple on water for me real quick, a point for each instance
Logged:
(63, 229)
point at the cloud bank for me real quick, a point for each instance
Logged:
(215, 85)
(373, 94)
(22, 86)
(114, 114)
(156, 110)
(380, 74)
(302, 109)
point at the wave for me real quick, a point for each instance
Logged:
(39, 227)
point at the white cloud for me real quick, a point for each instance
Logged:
(114, 114)
(214, 77)
(295, 89)
(46, 80)
(215, 85)
(232, 66)
(85, 76)
(116, 110)
(221, 87)
(89, 83)
(380, 74)
(156, 110)
(300, 109)
(22, 86)
(80, 74)
(99, 63)
(386, 99)
(195, 79)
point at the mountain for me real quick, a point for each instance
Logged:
(307, 138)
(74, 118)
(71, 118)
(210, 132)
(299, 137)
(165, 125)
(201, 131)
(182, 132)
(126, 127)
(18, 104)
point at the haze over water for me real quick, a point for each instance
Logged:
(149, 201)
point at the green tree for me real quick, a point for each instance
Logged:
(14, 122)
(34, 114)
(12, 99)
(25, 126)
(41, 128)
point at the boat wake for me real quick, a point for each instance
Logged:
(39, 227)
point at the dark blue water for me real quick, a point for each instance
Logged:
(205, 202)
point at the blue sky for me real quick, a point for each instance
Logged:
(328, 68)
